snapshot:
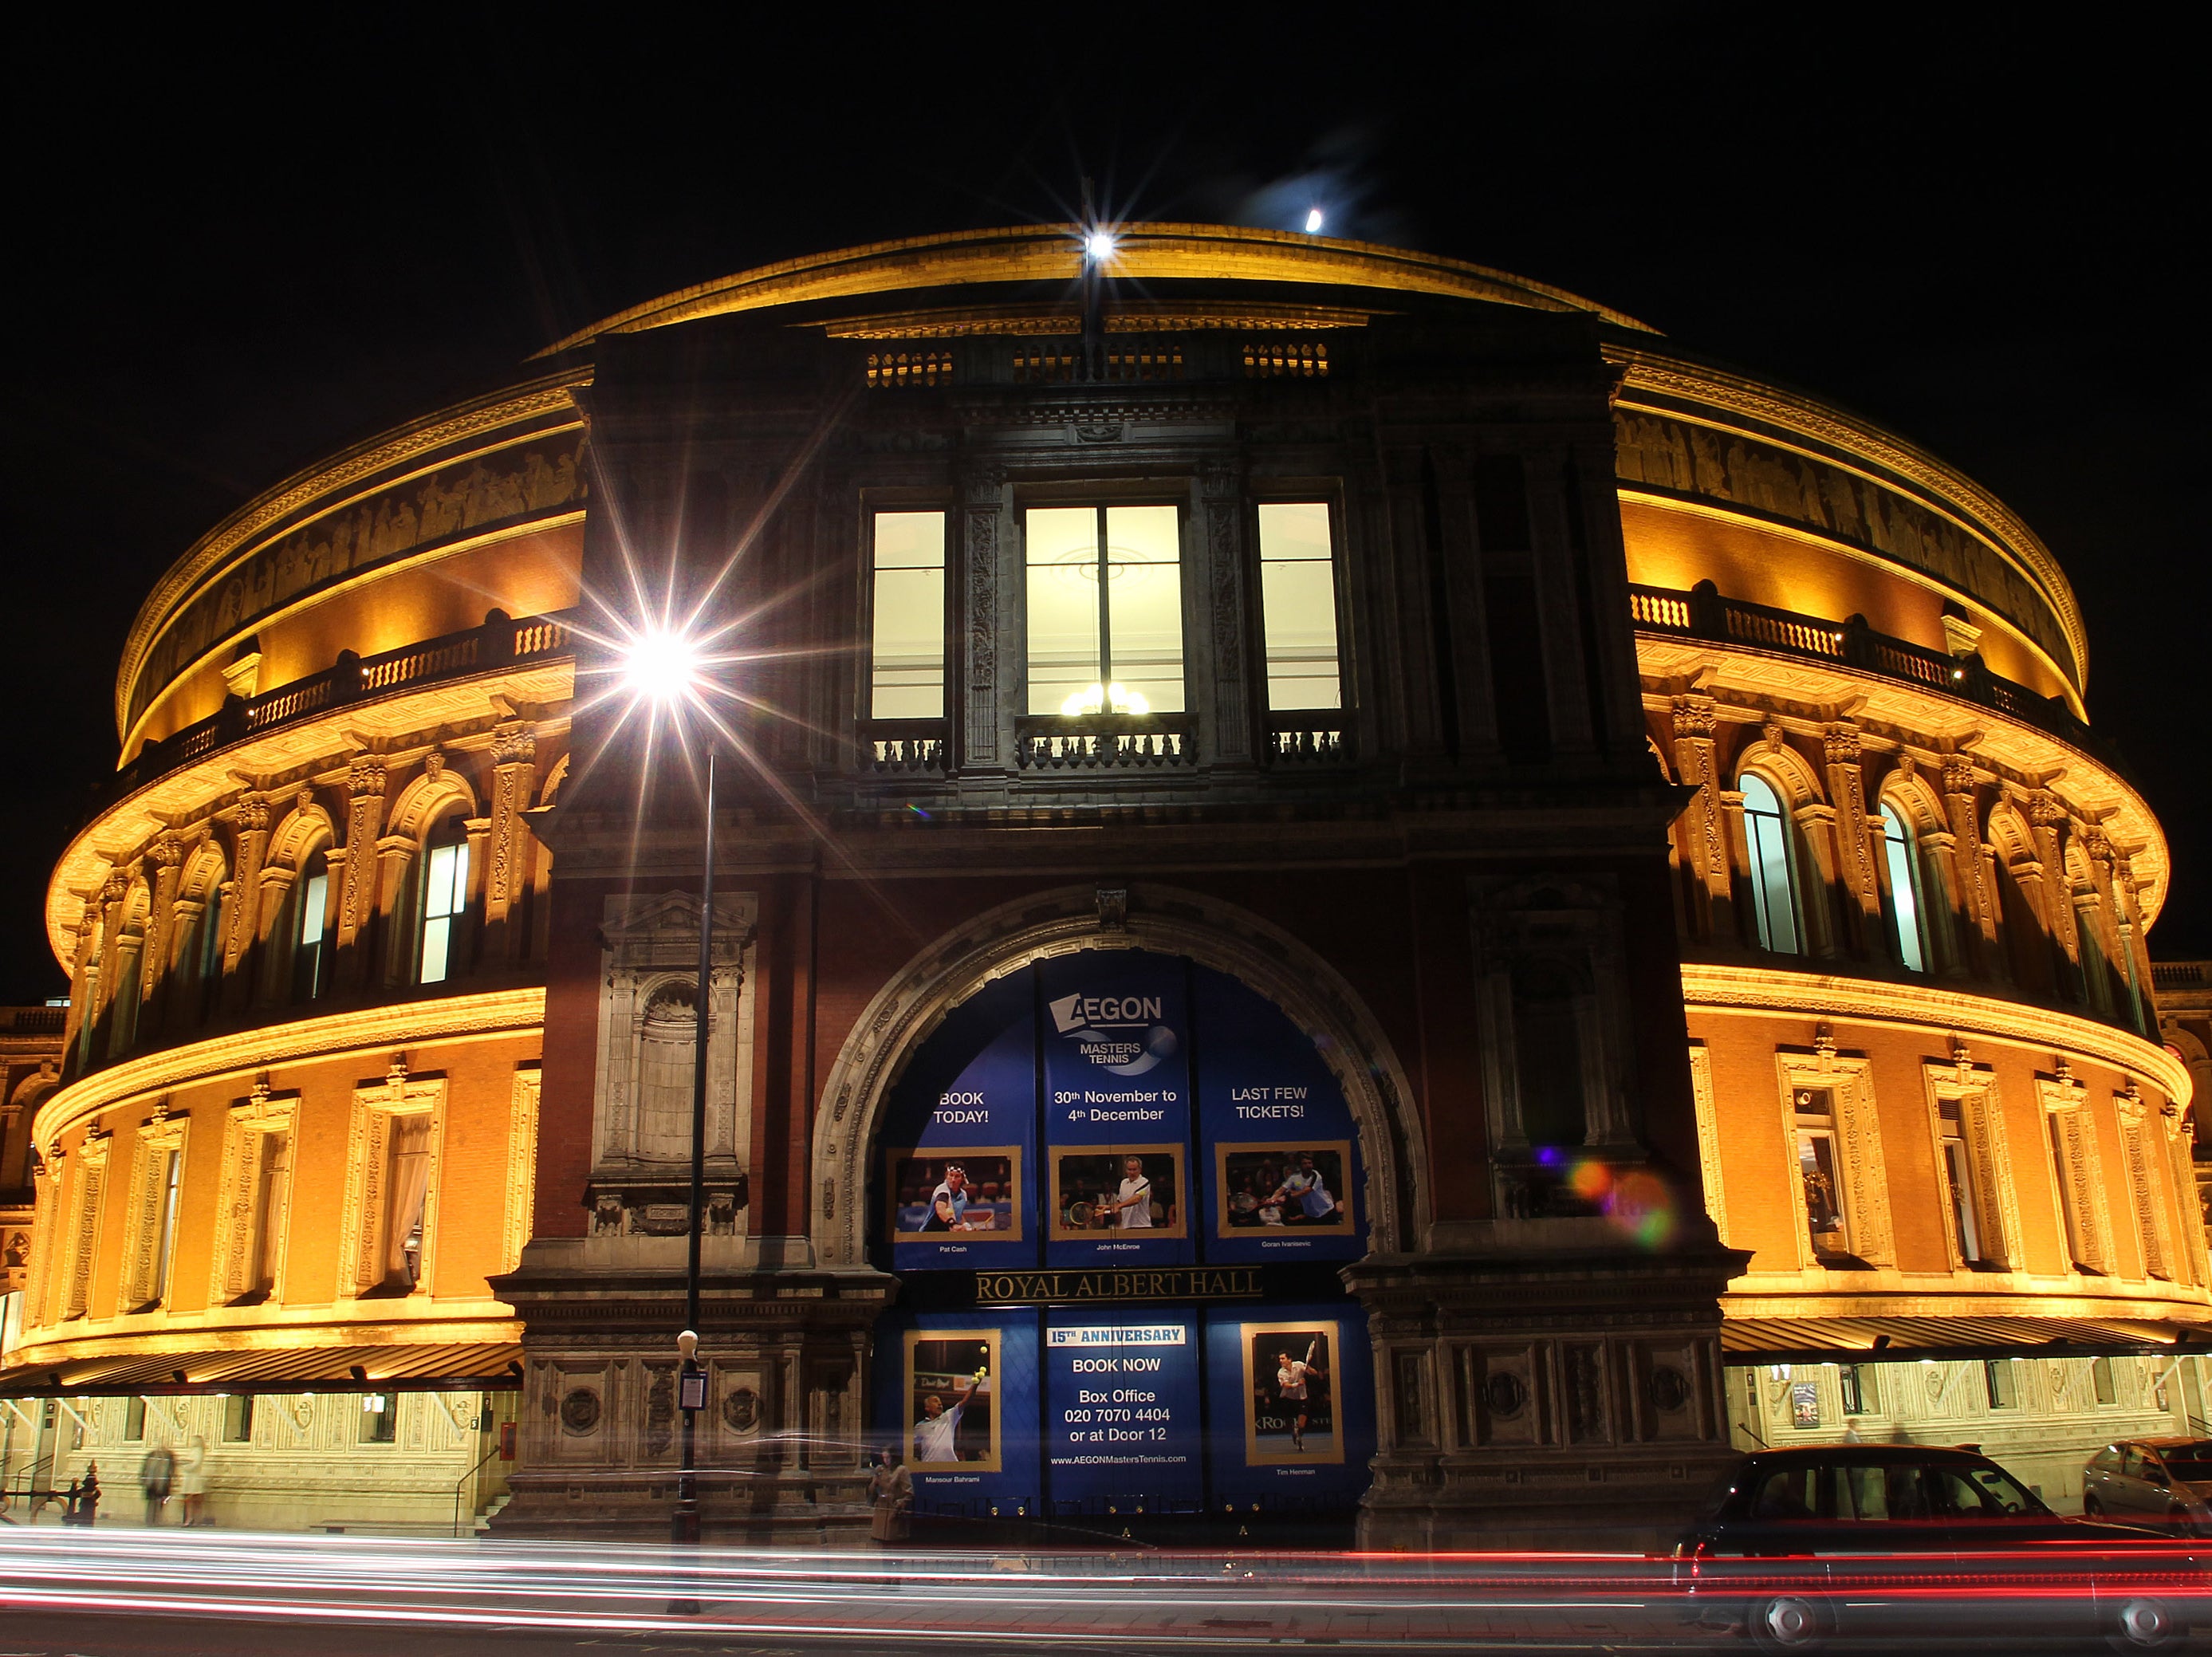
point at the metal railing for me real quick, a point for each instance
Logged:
(1703, 613)
(500, 642)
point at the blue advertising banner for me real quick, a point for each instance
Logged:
(1115, 1038)
(1123, 1432)
(1279, 1158)
(1291, 1407)
(958, 1161)
(959, 1394)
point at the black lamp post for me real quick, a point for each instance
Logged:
(691, 1383)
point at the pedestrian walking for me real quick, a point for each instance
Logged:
(154, 1475)
(891, 1498)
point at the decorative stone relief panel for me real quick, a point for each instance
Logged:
(144, 1236)
(641, 1126)
(252, 1194)
(1549, 965)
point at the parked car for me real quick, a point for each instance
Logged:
(1797, 1548)
(2151, 1481)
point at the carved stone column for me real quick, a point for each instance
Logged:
(512, 846)
(1855, 858)
(982, 512)
(167, 856)
(1223, 499)
(1704, 825)
(1818, 833)
(241, 947)
(394, 854)
(2077, 972)
(113, 975)
(1972, 883)
(355, 937)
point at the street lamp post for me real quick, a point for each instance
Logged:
(662, 666)
(691, 1386)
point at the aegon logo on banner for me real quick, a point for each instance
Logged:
(1120, 1034)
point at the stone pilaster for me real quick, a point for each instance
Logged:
(356, 935)
(1705, 824)
(513, 848)
(1856, 856)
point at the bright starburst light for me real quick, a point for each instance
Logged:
(1313, 221)
(661, 665)
(1099, 244)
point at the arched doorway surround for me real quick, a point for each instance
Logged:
(1169, 920)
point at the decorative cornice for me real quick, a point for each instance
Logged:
(551, 394)
(1709, 987)
(381, 1030)
(1979, 511)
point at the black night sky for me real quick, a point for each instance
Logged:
(229, 257)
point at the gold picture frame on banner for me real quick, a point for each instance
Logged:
(1280, 1359)
(1088, 1182)
(957, 1370)
(1243, 1209)
(992, 1180)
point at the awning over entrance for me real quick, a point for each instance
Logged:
(431, 1367)
(1746, 1341)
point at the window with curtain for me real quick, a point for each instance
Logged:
(1820, 1169)
(1901, 856)
(408, 1186)
(272, 1174)
(906, 655)
(1766, 838)
(1104, 610)
(1297, 606)
(445, 894)
(1959, 1183)
(311, 906)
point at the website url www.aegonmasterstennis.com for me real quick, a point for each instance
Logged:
(1119, 1460)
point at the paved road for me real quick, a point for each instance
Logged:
(123, 1594)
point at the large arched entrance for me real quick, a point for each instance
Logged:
(1117, 1183)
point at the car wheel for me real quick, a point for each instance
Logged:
(2147, 1625)
(2092, 1509)
(1788, 1623)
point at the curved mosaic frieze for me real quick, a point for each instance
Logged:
(481, 492)
(1690, 459)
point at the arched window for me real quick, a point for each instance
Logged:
(311, 913)
(445, 898)
(1767, 838)
(1901, 856)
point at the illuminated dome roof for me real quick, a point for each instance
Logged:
(1054, 253)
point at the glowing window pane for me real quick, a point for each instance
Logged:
(445, 888)
(1298, 605)
(1766, 837)
(1905, 895)
(1062, 615)
(1144, 610)
(907, 676)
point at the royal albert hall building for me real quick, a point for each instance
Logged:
(1350, 896)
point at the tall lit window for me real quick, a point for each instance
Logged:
(1902, 857)
(1766, 837)
(379, 1417)
(906, 634)
(238, 1418)
(172, 1169)
(313, 908)
(1858, 1389)
(272, 1176)
(1997, 1383)
(1297, 606)
(407, 1186)
(1959, 1183)
(445, 894)
(1104, 614)
(1819, 1171)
